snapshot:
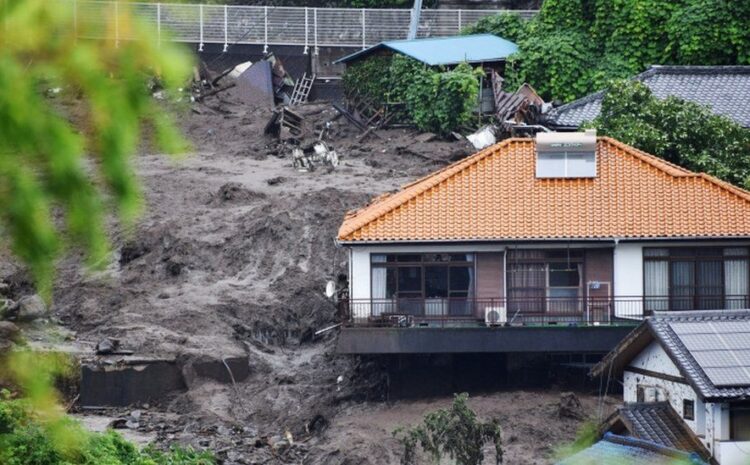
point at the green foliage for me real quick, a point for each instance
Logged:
(694, 39)
(683, 133)
(587, 434)
(369, 77)
(48, 163)
(454, 432)
(438, 101)
(25, 440)
(564, 60)
(574, 47)
(509, 26)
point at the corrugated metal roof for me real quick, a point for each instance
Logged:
(726, 89)
(436, 51)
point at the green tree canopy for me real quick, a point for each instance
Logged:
(681, 132)
(574, 47)
(76, 165)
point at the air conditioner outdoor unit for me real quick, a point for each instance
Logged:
(495, 316)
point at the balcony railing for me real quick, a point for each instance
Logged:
(567, 311)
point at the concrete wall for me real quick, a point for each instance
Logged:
(733, 453)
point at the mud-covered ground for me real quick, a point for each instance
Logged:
(230, 259)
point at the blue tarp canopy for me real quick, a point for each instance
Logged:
(445, 50)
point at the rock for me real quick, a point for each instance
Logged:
(131, 424)
(570, 406)
(117, 423)
(30, 308)
(9, 334)
(135, 415)
(107, 346)
(276, 180)
(278, 443)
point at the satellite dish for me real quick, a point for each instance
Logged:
(330, 289)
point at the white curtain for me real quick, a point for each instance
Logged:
(736, 279)
(378, 290)
(657, 285)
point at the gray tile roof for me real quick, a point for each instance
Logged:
(620, 450)
(657, 422)
(726, 89)
(702, 342)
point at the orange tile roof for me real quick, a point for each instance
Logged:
(495, 195)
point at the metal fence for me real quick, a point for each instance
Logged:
(265, 25)
(408, 312)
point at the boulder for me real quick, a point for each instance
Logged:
(9, 334)
(30, 308)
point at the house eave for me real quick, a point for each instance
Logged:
(354, 243)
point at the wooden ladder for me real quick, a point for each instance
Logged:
(302, 89)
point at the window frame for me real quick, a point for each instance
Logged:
(694, 259)
(733, 407)
(574, 257)
(688, 409)
(424, 265)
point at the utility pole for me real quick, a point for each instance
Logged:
(414, 23)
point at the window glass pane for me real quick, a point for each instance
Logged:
(462, 257)
(739, 417)
(683, 285)
(409, 258)
(735, 251)
(655, 252)
(682, 252)
(736, 284)
(436, 281)
(709, 252)
(409, 281)
(563, 293)
(656, 279)
(378, 258)
(564, 255)
(563, 275)
(460, 278)
(391, 282)
(709, 287)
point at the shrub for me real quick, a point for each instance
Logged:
(454, 432)
(509, 26)
(681, 132)
(438, 101)
(26, 440)
(573, 47)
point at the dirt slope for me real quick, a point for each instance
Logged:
(231, 258)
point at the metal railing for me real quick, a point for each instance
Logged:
(265, 25)
(451, 312)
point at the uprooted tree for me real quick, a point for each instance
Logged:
(684, 133)
(455, 433)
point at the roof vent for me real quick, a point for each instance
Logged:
(566, 154)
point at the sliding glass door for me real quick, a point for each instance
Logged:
(696, 278)
(423, 284)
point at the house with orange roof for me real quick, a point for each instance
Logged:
(559, 243)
